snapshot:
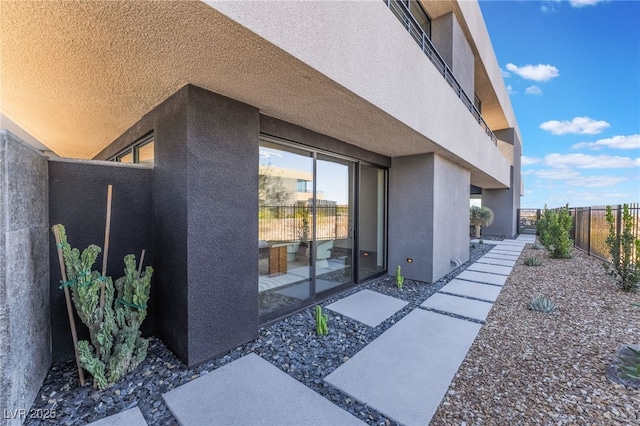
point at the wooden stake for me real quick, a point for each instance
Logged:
(105, 252)
(140, 265)
(72, 321)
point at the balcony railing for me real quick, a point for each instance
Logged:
(401, 12)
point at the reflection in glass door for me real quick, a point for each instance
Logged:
(322, 226)
(285, 227)
(371, 222)
(334, 222)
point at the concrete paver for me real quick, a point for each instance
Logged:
(492, 269)
(458, 305)
(130, 417)
(496, 261)
(367, 306)
(406, 371)
(251, 391)
(482, 277)
(477, 290)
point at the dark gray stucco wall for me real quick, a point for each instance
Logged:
(505, 202)
(205, 193)
(223, 156)
(25, 344)
(78, 200)
(411, 216)
(281, 129)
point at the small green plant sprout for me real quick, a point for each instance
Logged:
(542, 304)
(480, 241)
(631, 364)
(532, 261)
(624, 268)
(536, 246)
(399, 277)
(321, 322)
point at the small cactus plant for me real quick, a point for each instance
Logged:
(542, 304)
(532, 261)
(536, 246)
(399, 277)
(321, 322)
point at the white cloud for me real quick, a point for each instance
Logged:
(527, 161)
(533, 90)
(596, 181)
(505, 74)
(579, 125)
(582, 3)
(560, 173)
(538, 72)
(616, 142)
(265, 153)
(510, 90)
(584, 161)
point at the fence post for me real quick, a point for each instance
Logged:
(589, 233)
(619, 223)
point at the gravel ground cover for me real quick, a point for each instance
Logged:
(530, 368)
(290, 344)
(524, 367)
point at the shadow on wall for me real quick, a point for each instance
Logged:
(78, 200)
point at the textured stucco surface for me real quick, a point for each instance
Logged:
(78, 200)
(428, 215)
(506, 202)
(25, 344)
(452, 45)
(96, 74)
(411, 213)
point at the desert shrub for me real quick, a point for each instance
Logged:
(624, 268)
(479, 217)
(554, 233)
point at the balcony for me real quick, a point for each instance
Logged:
(401, 12)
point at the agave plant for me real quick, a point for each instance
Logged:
(532, 261)
(542, 304)
(479, 217)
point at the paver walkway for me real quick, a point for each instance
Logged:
(403, 374)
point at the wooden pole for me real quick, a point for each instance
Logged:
(105, 253)
(140, 265)
(72, 321)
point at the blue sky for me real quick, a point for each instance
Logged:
(573, 72)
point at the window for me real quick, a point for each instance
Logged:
(141, 152)
(419, 14)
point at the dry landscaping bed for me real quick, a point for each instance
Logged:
(528, 367)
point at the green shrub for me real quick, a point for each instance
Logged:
(623, 268)
(536, 246)
(554, 232)
(542, 304)
(532, 261)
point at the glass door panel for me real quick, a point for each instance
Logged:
(371, 222)
(285, 227)
(334, 222)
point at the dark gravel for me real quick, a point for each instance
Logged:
(290, 344)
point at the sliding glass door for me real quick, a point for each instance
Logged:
(322, 225)
(334, 222)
